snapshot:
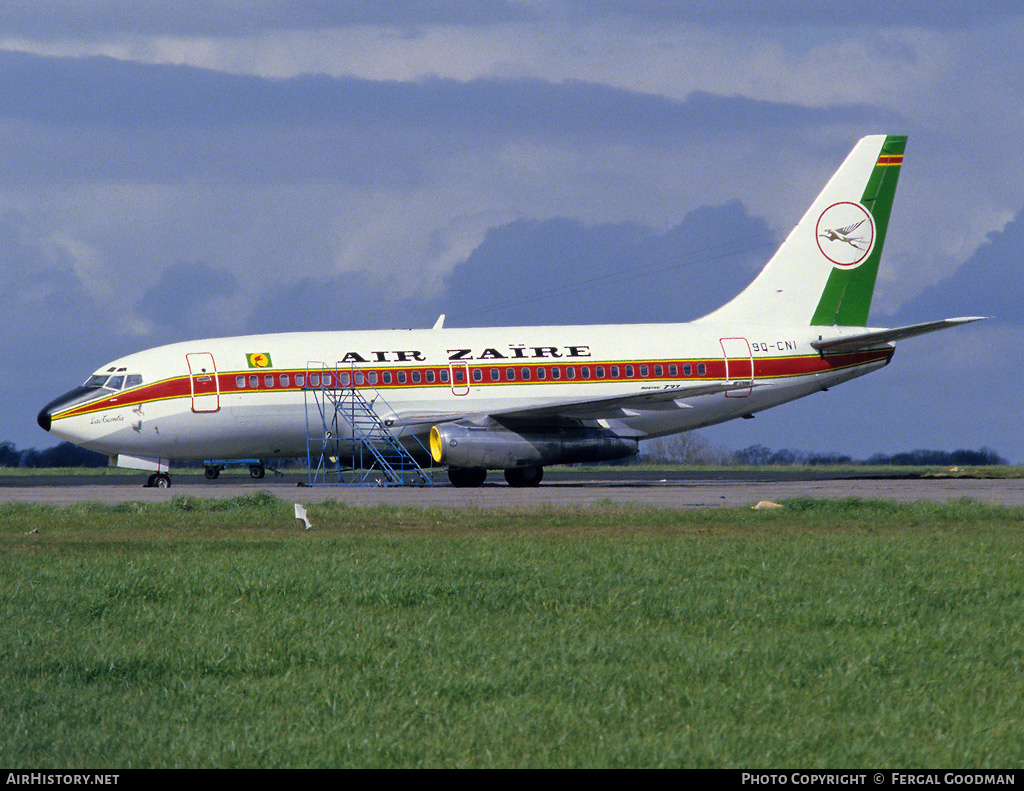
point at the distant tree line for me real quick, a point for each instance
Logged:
(759, 455)
(691, 448)
(687, 448)
(63, 455)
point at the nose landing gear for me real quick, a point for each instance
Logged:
(159, 480)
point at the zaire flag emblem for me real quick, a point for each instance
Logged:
(258, 359)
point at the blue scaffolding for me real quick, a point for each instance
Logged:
(345, 433)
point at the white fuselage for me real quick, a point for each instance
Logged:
(254, 396)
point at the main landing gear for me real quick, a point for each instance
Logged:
(159, 480)
(471, 477)
(524, 476)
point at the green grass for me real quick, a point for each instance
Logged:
(205, 633)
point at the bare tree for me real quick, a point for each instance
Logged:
(687, 448)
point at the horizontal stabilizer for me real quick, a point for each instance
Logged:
(868, 340)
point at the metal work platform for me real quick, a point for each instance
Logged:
(346, 436)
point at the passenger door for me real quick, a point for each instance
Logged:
(202, 373)
(739, 363)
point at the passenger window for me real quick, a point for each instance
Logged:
(285, 380)
(401, 377)
(239, 382)
(268, 380)
(372, 377)
(629, 371)
(510, 374)
(254, 381)
(614, 372)
(585, 371)
(444, 375)
(416, 377)
(658, 371)
(314, 380)
(687, 369)
(478, 375)
(526, 374)
(430, 377)
(556, 372)
(343, 379)
(300, 380)
(673, 370)
(541, 373)
(644, 371)
(387, 377)
(701, 369)
(328, 380)
(570, 372)
(495, 374)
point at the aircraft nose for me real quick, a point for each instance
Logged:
(62, 403)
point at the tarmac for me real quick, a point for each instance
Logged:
(560, 488)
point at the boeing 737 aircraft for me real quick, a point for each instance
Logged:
(520, 398)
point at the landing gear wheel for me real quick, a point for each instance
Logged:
(524, 476)
(211, 473)
(466, 477)
(257, 471)
(159, 480)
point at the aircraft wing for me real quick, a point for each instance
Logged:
(616, 406)
(608, 408)
(868, 340)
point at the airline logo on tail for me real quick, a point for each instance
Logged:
(846, 234)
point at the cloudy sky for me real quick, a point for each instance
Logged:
(180, 170)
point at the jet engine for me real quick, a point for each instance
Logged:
(497, 447)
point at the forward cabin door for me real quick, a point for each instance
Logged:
(739, 363)
(202, 374)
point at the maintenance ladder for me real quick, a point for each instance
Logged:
(344, 432)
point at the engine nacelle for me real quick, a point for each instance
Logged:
(495, 447)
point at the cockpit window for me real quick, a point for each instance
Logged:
(114, 382)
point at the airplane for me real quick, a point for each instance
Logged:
(519, 399)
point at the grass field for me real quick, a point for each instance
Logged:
(205, 633)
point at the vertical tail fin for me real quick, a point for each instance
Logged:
(825, 271)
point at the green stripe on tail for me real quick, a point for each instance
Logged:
(846, 299)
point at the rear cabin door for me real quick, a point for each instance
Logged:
(739, 363)
(202, 373)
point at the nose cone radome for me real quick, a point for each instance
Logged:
(57, 406)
